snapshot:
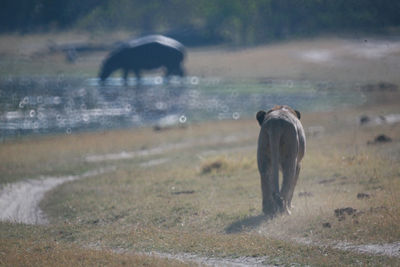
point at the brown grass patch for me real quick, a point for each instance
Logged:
(223, 163)
(33, 253)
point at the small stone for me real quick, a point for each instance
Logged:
(363, 195)
(326, 225)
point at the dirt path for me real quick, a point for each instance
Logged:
(386, 249)
(211, 261)
(167, 148)
(383, 249)
(19, 202)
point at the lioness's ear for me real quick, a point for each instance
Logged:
(260, 116)
(298, 114)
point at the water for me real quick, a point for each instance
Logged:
(43, 105)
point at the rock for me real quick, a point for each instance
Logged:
(363, 195)
(188, 192)
(380, 139)
(305, 194)
(327, 181)
(326, 225)
(341, 213)
(364, 119)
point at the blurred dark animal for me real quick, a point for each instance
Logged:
(146, 53)
(281, 145)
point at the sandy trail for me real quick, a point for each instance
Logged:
(386, 249)
(19, 202)
(168, 148)
(383, 249)
(213, 261)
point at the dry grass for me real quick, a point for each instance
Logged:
(327, 59)
(234, 245)
(57, 155)
(29, 45)
(322, 59)
(30, 55)
(223, 164)
(206, 198)
(186, 205)
(37, 253)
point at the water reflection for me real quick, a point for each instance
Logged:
(61, 104)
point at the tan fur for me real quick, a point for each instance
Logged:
(281, 145)
(278, 107)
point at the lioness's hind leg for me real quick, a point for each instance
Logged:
(296, 177)
(288, 183)
(268, 204)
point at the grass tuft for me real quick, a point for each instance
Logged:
(225, 164)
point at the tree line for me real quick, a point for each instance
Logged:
(238, 21)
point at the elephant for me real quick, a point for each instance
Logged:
(281, 145)
(146, 53)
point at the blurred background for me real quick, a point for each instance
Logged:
(241, 56)
(204, 22)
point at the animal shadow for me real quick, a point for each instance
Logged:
(246, 224)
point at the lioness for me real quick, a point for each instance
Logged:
(281, 144)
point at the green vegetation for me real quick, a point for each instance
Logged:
(241, 22)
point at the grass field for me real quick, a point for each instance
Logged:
(196, 190)
(359, 59)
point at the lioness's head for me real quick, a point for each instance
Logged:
(261, 114)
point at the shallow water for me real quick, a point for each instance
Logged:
(43, 105)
